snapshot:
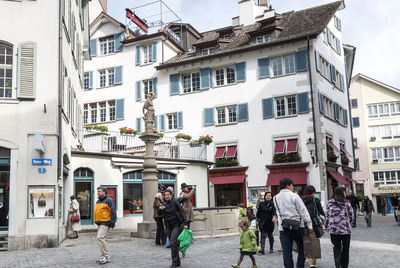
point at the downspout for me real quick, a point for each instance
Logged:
(60, 73)
(208, 184)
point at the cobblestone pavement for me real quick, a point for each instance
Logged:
(370, 247)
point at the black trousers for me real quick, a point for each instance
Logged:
(173, 233)
(341, 248)
(160, 234)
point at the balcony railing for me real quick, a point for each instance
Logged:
(115, 142)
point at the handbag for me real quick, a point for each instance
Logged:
(288, 224)
(75, 218)
(312, 246)
(317, 226)
(42, 201)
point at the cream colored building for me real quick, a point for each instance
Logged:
(376, 129)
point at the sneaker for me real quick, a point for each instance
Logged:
(235, 265)
(271, 251)
(104, 260)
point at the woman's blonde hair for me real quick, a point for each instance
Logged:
(244, 222)
(158, 195)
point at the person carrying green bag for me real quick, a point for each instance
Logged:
(185, 239)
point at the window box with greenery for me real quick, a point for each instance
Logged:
(286, 157)
(128, 131)
(160, 134)
(206, 139)
(226, 162)
(332, 157)
(345, 160)
(183, 137)
(96, 128)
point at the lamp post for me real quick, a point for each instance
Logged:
(311, 148)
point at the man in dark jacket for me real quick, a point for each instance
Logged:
(105, 218)
(174, 218)
(395, 205)
(367, 208)
(355, 204)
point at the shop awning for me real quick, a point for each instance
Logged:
(338, 177)
(231, 152)
(352, 180)
(291, 146)
(220, 152)
(333, 146)
(345, 151)
(279, 147)
(297, 177)
(228, 179)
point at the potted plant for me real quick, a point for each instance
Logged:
(280, 158)
(97, 128)
(206, 139)
(126, 130)
(181, 136)
(332, 157)
(293, 157)
(345, 160)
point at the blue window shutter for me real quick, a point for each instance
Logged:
(118, 75)
(338, 47)
(336, 111)
(156, 122)
(263, 67)
(117, 42)
(339, 24)
(205, 78)
(174, 84)
(317, 61)
(333, 73)
(328, 32)
(155, 84)
(321, 103)
(139, 124)
(162, 122)
(138, 90)
(138, 48)
(268, 108)
(243, 112)
(240, 69)
(93, 47)
(154, 48)
(208, 116)
(91, 79)
(119, 109)
(301, 61)
(211, 74)
(303, 103)
(179, 116)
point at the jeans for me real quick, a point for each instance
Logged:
(341, 247)
(173, 234)
(354, 223)
(160, 234)
(383, 211)
(270, 238)
(367, 216)
(287, 238)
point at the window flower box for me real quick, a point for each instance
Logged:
(288, 157)
(96, 128)
(206, 139)
(160, 134)
(183, 137)
(332, 157)
(226, 162)
(128, 131)
(345, 160)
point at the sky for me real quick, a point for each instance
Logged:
(370, 25)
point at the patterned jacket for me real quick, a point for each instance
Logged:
(338, 217)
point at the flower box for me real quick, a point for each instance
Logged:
(206, 139)
(226, 162)
(288, 157)
(128, 131)
(345, 160)
(331, 157)
(96, 128)
(183, 137)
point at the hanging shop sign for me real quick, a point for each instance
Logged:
(138, 21)
(42, 162)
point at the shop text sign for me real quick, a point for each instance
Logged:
(41, 162)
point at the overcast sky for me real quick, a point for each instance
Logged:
(370, 25)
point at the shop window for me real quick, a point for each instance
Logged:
(41, 202)
(228, 194)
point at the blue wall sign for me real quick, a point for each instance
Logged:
(42, 170)
(41, 162)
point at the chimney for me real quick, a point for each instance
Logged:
(249, 10)
(103, 4)
(263, 3)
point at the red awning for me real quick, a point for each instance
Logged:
(231, 151)
(279, 147)
(291, 146)
(345, 151)
(333, 146)
(338, 177)
(220, 152)
(228, 179)
(352, 180)
(298, 178)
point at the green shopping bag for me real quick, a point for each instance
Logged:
(185, 240)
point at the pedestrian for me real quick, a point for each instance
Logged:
(175, 220)
(74, 225)
(242, 213)
(160, 234)
(355, 204)
(266, 217)
(105, 218)
(338, 224)
(383, 206)
(186, 200)
(247, 244)
(167, 244)
(261, 199)
(395, 205)
(292, 214)
(367, 208)
(316, 211)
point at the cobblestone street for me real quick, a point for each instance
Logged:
(379, 245)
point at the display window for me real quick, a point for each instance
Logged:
(41, 202)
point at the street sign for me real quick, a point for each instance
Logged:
(42, 170)
(41, 162)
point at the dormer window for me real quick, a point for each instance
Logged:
(207, 51)
(263, 39)
(227, 37)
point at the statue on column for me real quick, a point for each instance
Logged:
(149, 114)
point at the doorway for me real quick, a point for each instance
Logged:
(4, 187)
(83, 190)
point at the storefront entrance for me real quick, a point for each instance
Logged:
(4, 187)
(83, 189)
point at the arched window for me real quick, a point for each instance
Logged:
(6, 61)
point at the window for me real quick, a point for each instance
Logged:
(110, 73)
(111, 110)
(282, 69)
(288, 147)
(263, 39)
(191, 82)
(226, 152)
(106, 45)
(102, 77)
(172, 121)
(43, 200)
(329, 141)
(103, 111)
(207, 51)
(86, 81)
(93, 112)
(147, 87)
(354, 103)
(147, 53)
(357, 163)
(325, 68)
(226, 114)
(355, 142)
(6, 61)
(106, 77)
(286, 106)
(386, 154)
(85, 114)
(329, 108)
(325, 37)
(384, 110)
(389, 177)
(225, 76)
(356, 121)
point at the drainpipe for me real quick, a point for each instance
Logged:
(312, 100)
(208, 183)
